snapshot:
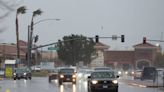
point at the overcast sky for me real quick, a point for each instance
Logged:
(133, 18)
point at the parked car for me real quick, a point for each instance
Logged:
(102, 80)
(20, 73)
(36, 68)
(149, 73)
(52, 74)
(66, 75)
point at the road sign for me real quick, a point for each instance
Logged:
(53, 48)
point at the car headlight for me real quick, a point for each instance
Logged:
(24, 73)
(61, 76)
(94, 82)
(132, 72)
(73, 76)
(119, 72)
(126, 72)
(115, 81)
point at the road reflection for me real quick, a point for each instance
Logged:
(61, 88)
(74, 88)
(68, 88)
(82, 86)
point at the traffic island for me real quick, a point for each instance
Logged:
(145, 83)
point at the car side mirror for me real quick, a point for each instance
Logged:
(89, 77)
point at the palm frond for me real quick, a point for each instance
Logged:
(37, 12)
(21, 10)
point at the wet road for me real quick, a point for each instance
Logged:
(41, 84)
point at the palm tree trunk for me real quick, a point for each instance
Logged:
(17, 38)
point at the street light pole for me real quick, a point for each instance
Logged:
(28, 47)
(30, 37)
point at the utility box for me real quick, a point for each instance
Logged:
(9, 68)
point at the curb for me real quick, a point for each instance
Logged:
(145, 86)
(154, 86)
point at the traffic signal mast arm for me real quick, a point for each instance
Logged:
(96, 39)
(156, 40)
(114, 37)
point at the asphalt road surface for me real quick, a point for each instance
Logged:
(41, 84)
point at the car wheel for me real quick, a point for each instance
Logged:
(14, 78)
(116, 90)
(18, 78)
(89, 90)
(30, 78)
(60, 82)
(142, 79)
(26, 78)
(92, 90)
(49, 80)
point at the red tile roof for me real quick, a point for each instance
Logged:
(100, 45)
(144, 45)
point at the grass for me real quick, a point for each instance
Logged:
(39, 74)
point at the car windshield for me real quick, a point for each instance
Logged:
(103, 68)
(52, 71)
(103, 75)
(89, 72)
(67, 71)
(20, 70)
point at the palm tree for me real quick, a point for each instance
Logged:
(20, 10)
(35, 13)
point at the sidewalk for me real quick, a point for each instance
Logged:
(145, 83)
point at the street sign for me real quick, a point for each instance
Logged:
(53, 48)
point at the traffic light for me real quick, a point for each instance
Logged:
(122, 38)
(36, 38)
(144, 40)
(97, 38)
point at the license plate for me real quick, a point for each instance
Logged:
(105, 86)
(68, 79)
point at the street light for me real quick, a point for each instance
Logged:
(30, 36)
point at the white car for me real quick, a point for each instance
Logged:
(36, 68)
(86, 74)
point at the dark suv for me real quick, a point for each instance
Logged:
(66, 75)
(149, 73)
(103, 80)
(20, 73)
